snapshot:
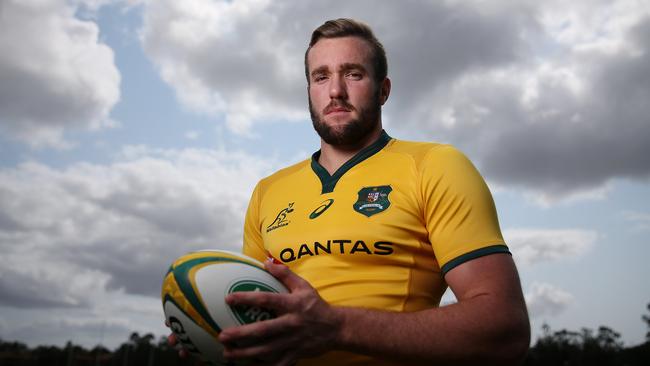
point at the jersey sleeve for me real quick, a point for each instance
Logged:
(460, 214)
(253, 244)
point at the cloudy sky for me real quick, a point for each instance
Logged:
(132, 132)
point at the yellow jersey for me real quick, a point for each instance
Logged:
(379, 233)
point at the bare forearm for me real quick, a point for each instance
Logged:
(488, 325)
(463, 333)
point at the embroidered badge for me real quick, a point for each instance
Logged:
(373, 200)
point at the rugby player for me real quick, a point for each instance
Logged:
(370, 231)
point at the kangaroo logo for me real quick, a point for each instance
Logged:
(281, 218)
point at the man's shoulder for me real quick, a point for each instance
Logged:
(421, 150)
(288, 172)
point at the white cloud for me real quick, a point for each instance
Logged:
(192, 135)
(91, 228)
(549, 198)
(640, 220)
(567, 117)
(54, 73)
(109, 318)
(244, 59)
(589, 24)
(549, 97)
(229, 58)
(84, 330)
(531, 246)
(544, 299)
(91, 243)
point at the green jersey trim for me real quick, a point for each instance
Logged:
(328, 181)
(473, 255)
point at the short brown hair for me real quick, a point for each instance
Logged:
(344, 27)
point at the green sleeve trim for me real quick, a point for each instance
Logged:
(329, 182)
(473, 255)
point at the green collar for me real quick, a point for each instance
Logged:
(329, 181)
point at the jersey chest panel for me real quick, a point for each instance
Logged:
(367, 237)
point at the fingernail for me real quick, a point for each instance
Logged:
(272, 259)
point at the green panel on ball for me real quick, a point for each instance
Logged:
(251, 314)
(181, 274)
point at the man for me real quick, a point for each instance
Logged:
(369, 233)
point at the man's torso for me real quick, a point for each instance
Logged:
(363, 237)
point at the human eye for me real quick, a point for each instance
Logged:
(354, 74)
(319, 78)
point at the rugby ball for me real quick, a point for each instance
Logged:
(193, 296)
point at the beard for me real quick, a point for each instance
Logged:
(355, 130)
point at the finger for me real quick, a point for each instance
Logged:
(271, 349)
(282, 272)
(265, 300)
(172, 340)
(256, 332)
(287, 360)
(271, 258)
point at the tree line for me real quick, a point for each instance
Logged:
(137, 351)
(602, 347)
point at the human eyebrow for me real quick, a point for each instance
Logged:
(352, 66)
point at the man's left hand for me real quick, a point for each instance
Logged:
(305, 325)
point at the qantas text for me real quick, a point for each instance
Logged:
(338, 246)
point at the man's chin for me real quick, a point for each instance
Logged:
(339, 120)
(335, 126)
(343, 136)
(344, 130)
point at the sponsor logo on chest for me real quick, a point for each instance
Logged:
(336, 246)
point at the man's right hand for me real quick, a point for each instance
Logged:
(172, 341)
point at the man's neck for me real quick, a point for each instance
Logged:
(333, 157)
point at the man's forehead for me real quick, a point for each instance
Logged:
(339, 50)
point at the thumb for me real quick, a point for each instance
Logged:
(282, 272)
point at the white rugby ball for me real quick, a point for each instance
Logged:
(193, 296)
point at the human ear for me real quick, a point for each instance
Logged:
(384, 91)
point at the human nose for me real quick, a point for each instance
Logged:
(338, 88)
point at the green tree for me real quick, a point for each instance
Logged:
(15, 353)
(601, 349)
(565, 347)
(555, 348)
(646, 320)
